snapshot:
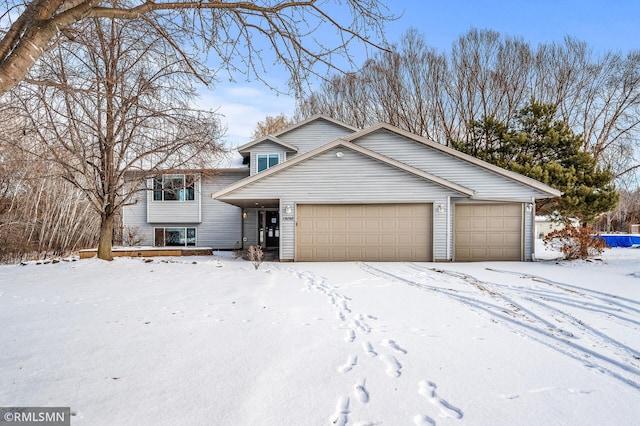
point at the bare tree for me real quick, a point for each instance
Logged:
(271, 125)
(490, 76)
(240, 33)
(112, 102)
(39, 216)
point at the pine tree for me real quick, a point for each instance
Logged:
(541, 147)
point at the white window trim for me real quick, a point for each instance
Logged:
(164, 230)
(184, 180)
(266, 155)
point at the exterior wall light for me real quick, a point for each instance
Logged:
(440, 208)
(339, 154)
(288, 209)
(244, 215)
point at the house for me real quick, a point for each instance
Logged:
(322, 190)
(546, 224)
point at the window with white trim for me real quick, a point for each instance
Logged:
(176, 187)
(174, 237)
(266, 161)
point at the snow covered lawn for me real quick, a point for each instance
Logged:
(211, 341)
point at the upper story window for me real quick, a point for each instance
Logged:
(267, 160)
(174, 188)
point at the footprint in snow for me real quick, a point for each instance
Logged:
(351, 362)
(393, 345)
(428, 390)
(361, 392)
(368, 348)
(421, 420)
(393, 366)
(341, 416)
(350, 336)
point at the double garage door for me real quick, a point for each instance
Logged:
(367, 232)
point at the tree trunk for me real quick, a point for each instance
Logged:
(106, 237)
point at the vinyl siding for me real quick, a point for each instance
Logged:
(134, 217)
(266, 147)
(220, 224)
(312, 135)
(486, 183)
(161, 212)
(529, 236)
(354, 178)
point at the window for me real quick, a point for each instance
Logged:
(181, 237)
(267, 160)
(174, 188)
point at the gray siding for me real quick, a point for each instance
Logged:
(266, 147)
(220, 224)
(134, 216)
(486, 183)
(313, 134)
(529, 235)
(174, 211)
(354, 178)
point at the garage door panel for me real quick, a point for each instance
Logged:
(352, 239)
(372, 239)
(512, 224)
(388, 240)
(364, 232)
(488, 232)
(321, 239)
(495, 239)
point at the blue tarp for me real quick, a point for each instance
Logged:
(621, 240)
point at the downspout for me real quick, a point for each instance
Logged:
(532, 237)
(448, 230)
(242, 219)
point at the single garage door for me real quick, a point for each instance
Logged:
(488, 232)
(371, 232)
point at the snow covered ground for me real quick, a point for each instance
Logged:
(211, 341)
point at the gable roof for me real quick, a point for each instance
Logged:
(315, 118)
(460, 155)
(242, 149)
(269, 138)
(348, 145)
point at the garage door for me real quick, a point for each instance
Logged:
(488, 232)
(381, 232)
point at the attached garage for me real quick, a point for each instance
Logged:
(364, 232)
(486, 232)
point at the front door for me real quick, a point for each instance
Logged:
(269, 228)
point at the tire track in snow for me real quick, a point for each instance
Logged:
(506, 305)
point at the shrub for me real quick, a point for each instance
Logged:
(255, 255)
(576, 242)
(131, 237)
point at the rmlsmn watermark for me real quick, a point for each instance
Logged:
(35, 416)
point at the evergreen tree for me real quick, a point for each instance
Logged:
(537, 145)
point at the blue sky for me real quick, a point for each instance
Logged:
(604, 25)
